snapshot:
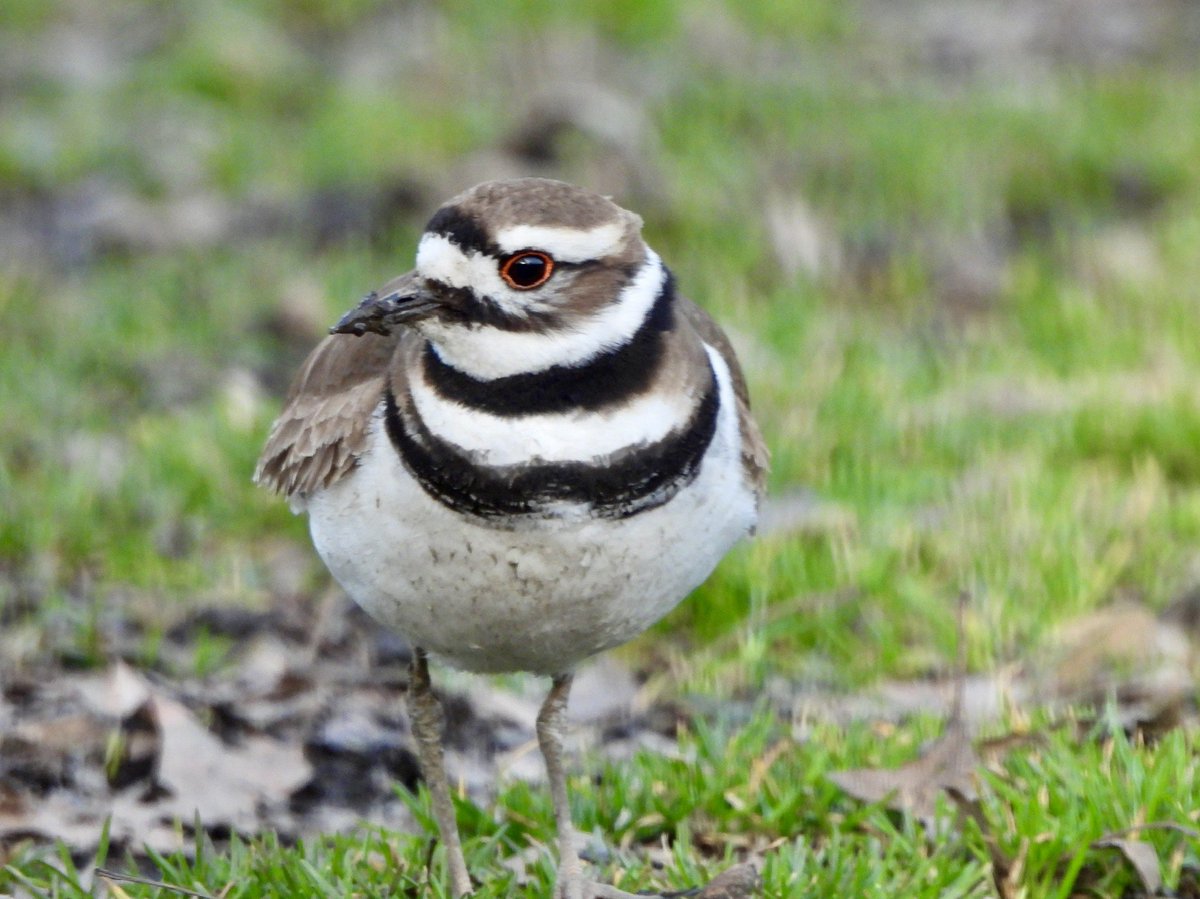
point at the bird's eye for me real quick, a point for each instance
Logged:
(527, 269)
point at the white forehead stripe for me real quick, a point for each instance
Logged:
(439, 258)
(564, 244)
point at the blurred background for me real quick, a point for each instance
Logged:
(957, 243)
(190, 193)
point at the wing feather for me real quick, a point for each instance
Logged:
(322, 429)
(756, 458)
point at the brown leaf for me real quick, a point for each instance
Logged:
(168, 767)
(737, 882)
(222, 784)
(1123, 651)
(1141, 856)
(948, 763)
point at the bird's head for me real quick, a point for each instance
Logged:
(545, 270)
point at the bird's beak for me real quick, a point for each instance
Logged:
(382, 314)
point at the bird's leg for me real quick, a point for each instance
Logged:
(551, 722)
(425, 715)
(551, 725)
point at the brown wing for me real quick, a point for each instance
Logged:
(323, 426)
(322, 429)
(756, 458)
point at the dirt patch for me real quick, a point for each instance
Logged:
(302, 731)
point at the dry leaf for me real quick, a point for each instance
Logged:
(163, 766)
(1141, 857)
(301, 731)
(1125, 652)
(949, 762)
(223, 785)
(736, 883)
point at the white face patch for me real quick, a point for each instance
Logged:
(487, 352)
(563, 244)
(440, 259)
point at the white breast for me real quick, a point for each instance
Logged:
(539, 597)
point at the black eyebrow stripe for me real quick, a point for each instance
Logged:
(462, 230)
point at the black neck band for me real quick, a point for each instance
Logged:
(608, 378)
(632, 480)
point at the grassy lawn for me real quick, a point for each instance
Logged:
(968, 303)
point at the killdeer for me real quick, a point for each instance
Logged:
(523, 452)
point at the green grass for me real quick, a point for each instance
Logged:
(1040, 452)
(745, 787)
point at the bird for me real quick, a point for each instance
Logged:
(521, 453)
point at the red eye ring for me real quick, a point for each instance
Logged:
(527, 269)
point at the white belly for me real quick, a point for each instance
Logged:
(537, 598)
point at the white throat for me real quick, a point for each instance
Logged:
(487, 352)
